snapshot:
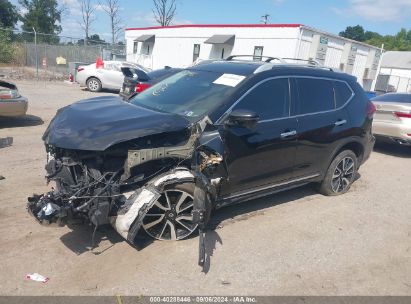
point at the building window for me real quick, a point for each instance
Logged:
(222, 53)
(147, 50)
(135, 45)
(258, 53)
(196, 52)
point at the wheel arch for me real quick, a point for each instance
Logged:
(353, 144)
(93, 76)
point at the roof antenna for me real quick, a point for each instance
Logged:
(264, 18)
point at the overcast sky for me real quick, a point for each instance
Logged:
(383, 16)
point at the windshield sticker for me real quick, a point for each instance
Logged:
(230, 80)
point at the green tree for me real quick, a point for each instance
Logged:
(8, 14)
(95, 39)
(6, 47)
(92, 40)
(44, 16)
(371, 35)
(398, 42)
(354, 32)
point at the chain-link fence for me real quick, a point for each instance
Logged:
(392, 83)
(31, 54)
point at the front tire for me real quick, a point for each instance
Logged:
(94, 84)
(170, 218)
(340, 174)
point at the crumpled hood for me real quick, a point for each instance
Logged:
(96, 124)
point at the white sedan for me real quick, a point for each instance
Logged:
(109, 76)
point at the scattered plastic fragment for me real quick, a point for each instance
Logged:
(37, 277)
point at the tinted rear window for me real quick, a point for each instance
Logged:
(404, 98)
(342, 93)
(315, 95)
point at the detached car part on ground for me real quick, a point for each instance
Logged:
(136, 81)
(11, 102)
(392, 120)
(209, 136)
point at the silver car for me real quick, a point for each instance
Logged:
(109, 76)
(11, 102)
(393, 117)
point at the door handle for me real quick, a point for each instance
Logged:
(340, 122)
(288, 134)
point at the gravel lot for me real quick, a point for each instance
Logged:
(294, 243)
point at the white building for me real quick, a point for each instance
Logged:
(181, 45)
(395, 72)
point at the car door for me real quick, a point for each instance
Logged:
(112, 76)
(263, 154)
(321, 123)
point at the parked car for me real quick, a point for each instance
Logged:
(393, 118)
(136, 81)
(109, 76)
(11, 102)
(209, 136)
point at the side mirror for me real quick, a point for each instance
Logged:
(242, 118)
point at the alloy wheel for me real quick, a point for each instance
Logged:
(343, 175)
(171, 217)
(93, 85)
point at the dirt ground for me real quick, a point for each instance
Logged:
(294, 243)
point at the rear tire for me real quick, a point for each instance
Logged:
(340, 174)
(94, 84)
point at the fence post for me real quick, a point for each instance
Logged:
(35, 51)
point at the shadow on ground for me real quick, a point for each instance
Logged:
(23, 121)
(244, 211)
(79, 239)
(392, 149)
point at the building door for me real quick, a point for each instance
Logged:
(196, 52)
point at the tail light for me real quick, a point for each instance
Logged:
(9, 94)
(402, 114)
(80, 69)
(371, 109)
(140, 87)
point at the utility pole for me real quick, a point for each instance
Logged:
(264, 18)
(36, 52)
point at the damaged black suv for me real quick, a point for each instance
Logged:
(211, 135)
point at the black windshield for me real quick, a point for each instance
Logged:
(190, 93)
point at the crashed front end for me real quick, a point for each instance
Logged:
(119, 184)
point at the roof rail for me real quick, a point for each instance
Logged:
(312, 63)
(309, 61)
(269, 59)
